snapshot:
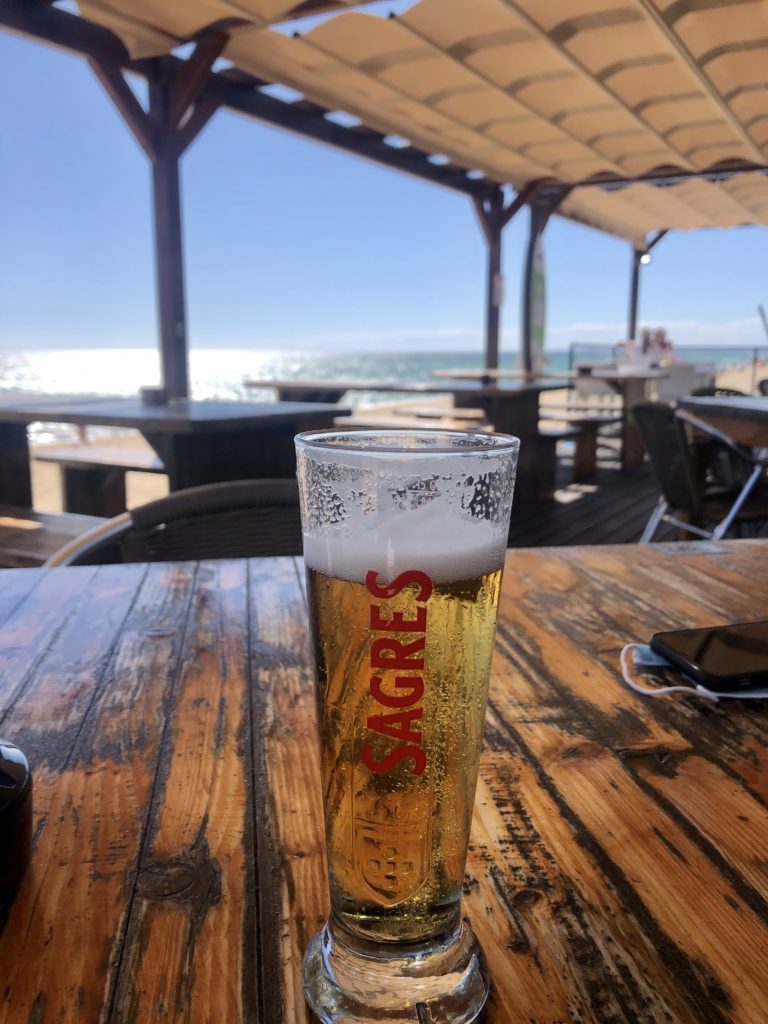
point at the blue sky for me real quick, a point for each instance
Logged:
(290, 244)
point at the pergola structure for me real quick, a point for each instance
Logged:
(632, 116)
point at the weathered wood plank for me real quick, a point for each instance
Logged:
(17, 583)
(566, 714)
(188, 953)
(92, 787)
(559, 947)
(31, 627)
(290, 832)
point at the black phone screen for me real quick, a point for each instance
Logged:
(736, 653)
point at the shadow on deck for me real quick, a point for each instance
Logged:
(611, 509)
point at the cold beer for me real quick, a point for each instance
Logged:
(404, 542)
(401, 691)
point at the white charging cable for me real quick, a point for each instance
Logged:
(657, 691)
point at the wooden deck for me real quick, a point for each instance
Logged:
(611, 509)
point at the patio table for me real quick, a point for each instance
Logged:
(617, 864)
(511, 406)
(200, 442)
(744, 419)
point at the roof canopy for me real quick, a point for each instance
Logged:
(525, 91)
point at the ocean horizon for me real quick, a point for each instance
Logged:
(219, 372)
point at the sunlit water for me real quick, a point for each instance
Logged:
(219, 373)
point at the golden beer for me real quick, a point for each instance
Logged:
(399, 758)
(404, 540)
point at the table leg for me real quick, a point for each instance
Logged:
(214, 457)
(15, 475)
(93, 492)
(632, 446)
(518, 414)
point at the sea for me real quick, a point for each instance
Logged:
(219, 372)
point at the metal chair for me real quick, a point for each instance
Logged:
(762, 386)
(685, 456)
(238, 519)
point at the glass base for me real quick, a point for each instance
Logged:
(347, 979)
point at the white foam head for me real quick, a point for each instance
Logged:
(446, 549)
(442, 509)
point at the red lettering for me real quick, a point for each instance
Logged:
(399, 583)
(397, 725)
(388, 762)
(400, 653)
(399, 624)
(414, 685)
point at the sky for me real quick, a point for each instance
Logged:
(293, 245)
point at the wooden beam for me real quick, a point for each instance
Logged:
(524, 195)
(169, 259)
(121, 94)
(190, 80)
(201, 114)
(493, 283)
(634, 291)
(656, 239)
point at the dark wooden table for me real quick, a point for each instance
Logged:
(511, 406)
(743, 419)
(199, 442)
(617, 867)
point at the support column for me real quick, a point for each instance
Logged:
(634, 287)
(178, 110)
(494, 217)
(169, 255)
(639, 257)
(494, 282)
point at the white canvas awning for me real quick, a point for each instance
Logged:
(525, 90)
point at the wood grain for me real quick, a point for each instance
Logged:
(616, 869)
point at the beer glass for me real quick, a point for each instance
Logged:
(404, 540)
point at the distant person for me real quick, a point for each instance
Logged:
(657, 347)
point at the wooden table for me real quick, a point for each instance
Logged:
(617, 867)
(743, 419)
(199, 442)
(512, 408)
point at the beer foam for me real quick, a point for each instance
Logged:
(445, 547)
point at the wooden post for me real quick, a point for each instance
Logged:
(494, 217)
(169, 256)
(634, 288)
(164, 135)
(494, 282)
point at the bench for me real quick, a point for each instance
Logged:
(93, 475)
(391, 421)
(546, 463)
(430, 412)
(29, 538)
(587, 425)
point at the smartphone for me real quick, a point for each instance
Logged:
(728, 657)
